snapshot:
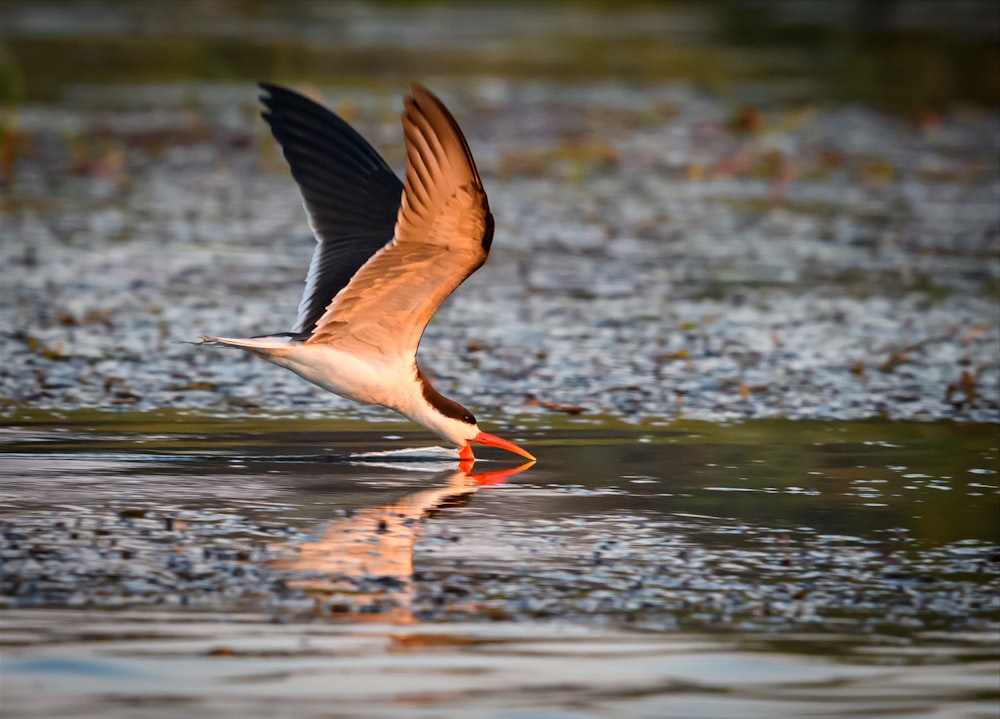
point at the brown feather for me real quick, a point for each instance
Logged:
(442, 236)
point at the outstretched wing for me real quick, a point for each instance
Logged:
(351, 195)
(443, 234)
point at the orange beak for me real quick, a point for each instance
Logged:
(493, 441)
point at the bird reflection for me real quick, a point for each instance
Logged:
(362, 565)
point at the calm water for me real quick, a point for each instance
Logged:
(258, 567)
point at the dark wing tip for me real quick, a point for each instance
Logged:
(270, 95)
(275, 96)
(269, 91)
(351, 195)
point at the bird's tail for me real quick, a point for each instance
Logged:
(266, 347)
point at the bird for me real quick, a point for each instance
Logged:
(387, 254)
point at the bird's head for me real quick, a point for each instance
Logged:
(463, 431)
(453, 422)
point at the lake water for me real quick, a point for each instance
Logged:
(179, 562)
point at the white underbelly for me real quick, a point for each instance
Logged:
(360, 379)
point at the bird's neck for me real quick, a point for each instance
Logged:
(436, 400)
(423, 404)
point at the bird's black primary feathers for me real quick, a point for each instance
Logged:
(350, 193)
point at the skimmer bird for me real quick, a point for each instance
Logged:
(387, 255)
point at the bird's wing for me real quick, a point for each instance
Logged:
(443, 234)
(350, 194)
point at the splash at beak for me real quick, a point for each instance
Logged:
(493, 441)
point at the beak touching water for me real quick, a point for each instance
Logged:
(493, 441)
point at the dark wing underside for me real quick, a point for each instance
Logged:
(350, 193)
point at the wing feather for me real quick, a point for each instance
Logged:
(350, 194)
(442, 235)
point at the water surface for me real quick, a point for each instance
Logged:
(769, 568)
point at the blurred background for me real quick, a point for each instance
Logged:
(903, 55)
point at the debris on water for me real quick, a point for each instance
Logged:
(571, 409)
